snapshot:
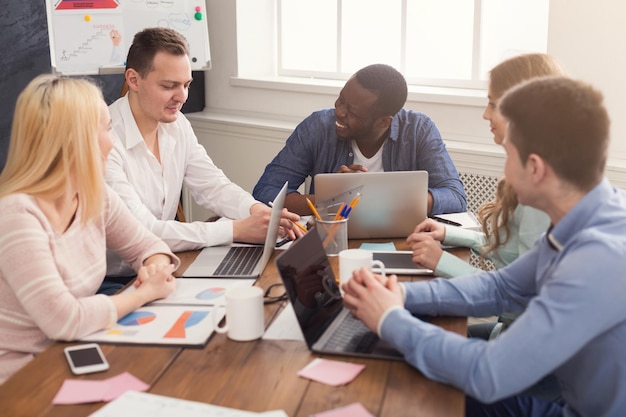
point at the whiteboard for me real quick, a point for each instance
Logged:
(93, 36)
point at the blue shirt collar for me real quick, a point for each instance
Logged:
(579, 216)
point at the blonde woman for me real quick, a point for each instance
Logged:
(58, 218)
(508, 228)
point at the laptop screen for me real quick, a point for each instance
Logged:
(310, 285)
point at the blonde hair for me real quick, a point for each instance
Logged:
(494, 215)
(54, 140)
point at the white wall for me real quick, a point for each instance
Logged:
(246, 121)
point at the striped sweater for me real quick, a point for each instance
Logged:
(48, 280)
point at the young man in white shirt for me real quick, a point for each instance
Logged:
(156, 152)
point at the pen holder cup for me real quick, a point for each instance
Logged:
(333, 233)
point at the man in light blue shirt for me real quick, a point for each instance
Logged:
(571, 284)
(368, 130)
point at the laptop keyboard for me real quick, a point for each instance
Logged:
(240, 260)
(352, 336)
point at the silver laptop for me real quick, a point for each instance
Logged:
(391, 203)
(239, 260)
(327, 326)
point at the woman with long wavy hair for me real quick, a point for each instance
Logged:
(508, 228)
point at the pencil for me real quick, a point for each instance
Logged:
(300, 226)
(313, 209)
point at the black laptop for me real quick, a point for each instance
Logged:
(327, 326)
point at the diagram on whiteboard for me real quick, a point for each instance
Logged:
(91, 37)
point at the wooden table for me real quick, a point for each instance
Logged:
(255, 376)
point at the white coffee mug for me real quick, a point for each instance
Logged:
(244, 314)
(352, 259)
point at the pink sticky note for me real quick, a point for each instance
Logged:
(78, 391)
(351, 410)
(330, 372)
(122, 383)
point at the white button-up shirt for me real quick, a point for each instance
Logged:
(152, 190)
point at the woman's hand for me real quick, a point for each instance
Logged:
(426, 250)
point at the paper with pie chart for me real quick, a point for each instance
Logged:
(183, 319)
(162, 325)
(200, 291)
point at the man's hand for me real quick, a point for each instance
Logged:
(253, 229)
(368, 296)
(344, 169)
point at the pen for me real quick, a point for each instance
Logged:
(355, 200)
(352, 205)
(340, 212)
(283, 242)
(446, 221)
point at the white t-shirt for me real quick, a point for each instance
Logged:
(373, 164)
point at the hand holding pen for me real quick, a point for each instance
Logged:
(297, 224)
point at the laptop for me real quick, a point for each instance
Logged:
(391, 203)
(239, 260)
(327, 326)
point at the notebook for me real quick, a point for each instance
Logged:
(391, 204)
(327, 326)
(239, 260)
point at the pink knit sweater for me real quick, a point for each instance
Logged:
(48, 280)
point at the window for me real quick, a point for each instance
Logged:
(451, 43)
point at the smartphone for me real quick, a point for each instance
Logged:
(84, 359)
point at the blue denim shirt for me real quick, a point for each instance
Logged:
(414, 143)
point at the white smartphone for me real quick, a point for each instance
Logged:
(84, 359)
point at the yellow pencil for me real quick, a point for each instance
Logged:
(300, 226)
(313, 209)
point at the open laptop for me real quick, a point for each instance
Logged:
(239, 260)
(327, 326)
(391, 203)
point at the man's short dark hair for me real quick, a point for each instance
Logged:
(564, 121)
(148, 42)
(388, 84)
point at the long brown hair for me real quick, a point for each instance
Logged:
(494, 215)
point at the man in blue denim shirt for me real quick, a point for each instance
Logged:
(368, 130)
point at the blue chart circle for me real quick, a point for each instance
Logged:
(137, 318)
(211, 293)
